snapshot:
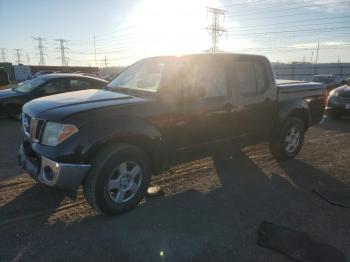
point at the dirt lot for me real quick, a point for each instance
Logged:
(210, 211)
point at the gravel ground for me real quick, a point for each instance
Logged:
(210, 211)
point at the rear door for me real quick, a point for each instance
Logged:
(256, 93)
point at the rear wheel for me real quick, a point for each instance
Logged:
(118, 179)
(288, 141)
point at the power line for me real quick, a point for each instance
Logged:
(293, 22)
(295, 31)
(41, 50)
(18, 56)
(62, 48)
(3, 54)
(258, 11)
(243, 4)
(215, 29)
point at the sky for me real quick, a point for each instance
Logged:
(120, 32)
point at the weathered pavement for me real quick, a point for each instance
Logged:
(210, 211)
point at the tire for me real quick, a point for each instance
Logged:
(334, 115)
(283, 145)
(113, 169)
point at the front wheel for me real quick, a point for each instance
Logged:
(118, 179)
(288, 141)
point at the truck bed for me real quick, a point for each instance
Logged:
(288, 89)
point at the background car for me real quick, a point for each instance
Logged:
(331, 81)
(12, 100)
(346, 81)
(338, 103)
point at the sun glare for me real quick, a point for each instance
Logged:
(171, 27)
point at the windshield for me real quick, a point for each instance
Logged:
(146, 75)
(29, 85)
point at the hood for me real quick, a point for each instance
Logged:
(8, 93)
(344, 91)
(58, 107)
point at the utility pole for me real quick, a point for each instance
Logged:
(106, 61)
(318, 49)
(41, 50)
(18, 55)
(312, 56)
(3, 54)
(62, 48)
(215, 29)
(28, 59)
(95, 50)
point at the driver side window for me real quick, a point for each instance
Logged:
(54, 87)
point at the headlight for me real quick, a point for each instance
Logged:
(56, 133)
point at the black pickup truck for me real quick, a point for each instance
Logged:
(161, 111)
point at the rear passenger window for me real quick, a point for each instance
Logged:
(77, 84)
(250, 77)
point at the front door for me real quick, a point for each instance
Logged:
(204, 118)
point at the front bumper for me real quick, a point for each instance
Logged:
(51, 173)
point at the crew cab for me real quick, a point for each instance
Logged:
(161, 111)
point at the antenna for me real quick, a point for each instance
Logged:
(215, 29)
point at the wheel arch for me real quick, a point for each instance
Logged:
(154, 150)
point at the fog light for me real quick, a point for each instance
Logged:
(48, 174)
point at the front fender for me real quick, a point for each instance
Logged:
(131, 130)
(93, 135)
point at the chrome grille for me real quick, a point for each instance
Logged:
(26, 119)
(32, 127)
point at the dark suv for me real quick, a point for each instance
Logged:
(12, 99)
(161, 111)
